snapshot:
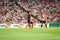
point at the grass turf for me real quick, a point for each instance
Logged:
(30, 34)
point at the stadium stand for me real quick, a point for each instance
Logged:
(16, 11)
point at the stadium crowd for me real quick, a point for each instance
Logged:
(12, 13)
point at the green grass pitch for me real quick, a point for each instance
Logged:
(30, 34)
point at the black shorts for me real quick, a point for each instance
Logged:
(30, 22)
(42, 21)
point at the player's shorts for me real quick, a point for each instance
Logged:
(42, 21)
(30, 22)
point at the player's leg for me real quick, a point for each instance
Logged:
(31, 24)
(28, 25)
(46, 25)
(41, 25)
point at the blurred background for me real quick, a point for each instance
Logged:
(15, 11)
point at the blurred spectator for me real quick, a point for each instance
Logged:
(11, 10)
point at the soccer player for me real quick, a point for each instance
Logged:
(43, 20)
(30, 23)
